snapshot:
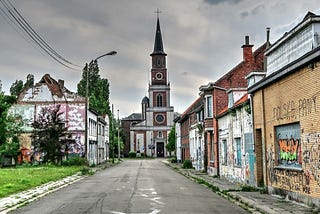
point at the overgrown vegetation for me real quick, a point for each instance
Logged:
(187, 164)
(48, 130)
(98, 88)
(132, 155)
(173, 159)
(10, 127)
(75, 161)
(21, 178)
(171, 145)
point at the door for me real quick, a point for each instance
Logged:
(160, 149)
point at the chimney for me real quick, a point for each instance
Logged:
(268, 37)
(267, 46)
(247, 50)
(61, 83)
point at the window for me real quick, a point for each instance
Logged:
(208, 106)
(200, 116)
(224, 152)
(289, 146)
(159, 100)
(212, 148)
(160, 134)
(238, 149)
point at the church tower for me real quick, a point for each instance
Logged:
(160, 112)
(151, 135)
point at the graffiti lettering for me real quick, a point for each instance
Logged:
(291, 109)
(292, 180)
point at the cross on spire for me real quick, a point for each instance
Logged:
(158, 12)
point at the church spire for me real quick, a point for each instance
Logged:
(158, 45)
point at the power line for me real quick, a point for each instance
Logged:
(37, 36)
(18, 20)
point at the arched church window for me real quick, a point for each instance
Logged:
(159, 100)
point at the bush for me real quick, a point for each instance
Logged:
(74, 161)
(187, 164)
(173, 159)
(132, 155)
(86, 171)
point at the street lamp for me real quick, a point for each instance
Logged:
(118, 137)
(88, 71)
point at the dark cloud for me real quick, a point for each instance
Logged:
(215, 2)
(244, 14)
(253, 12)
(257, 9)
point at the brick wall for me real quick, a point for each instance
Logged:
(293, 100)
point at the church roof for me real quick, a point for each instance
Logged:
(158, 45)
(133, 116)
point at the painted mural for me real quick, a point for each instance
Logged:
(74, 115)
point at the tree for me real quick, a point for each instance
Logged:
(48, 130)
(98, 89)
(30, 81)
(171, 145)
(113, 135)
(16, 88)
(10, 127)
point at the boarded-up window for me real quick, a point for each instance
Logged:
(288, 145)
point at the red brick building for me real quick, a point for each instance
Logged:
(216, 98)
(191, 131)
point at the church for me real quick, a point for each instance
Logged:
(149, 135)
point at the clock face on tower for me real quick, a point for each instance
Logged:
(159, 118)
(159, 76)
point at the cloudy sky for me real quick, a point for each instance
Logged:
(202, 38)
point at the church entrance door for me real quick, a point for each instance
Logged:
(160, 149)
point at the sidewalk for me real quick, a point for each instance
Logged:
(254, 202)
(13, 201)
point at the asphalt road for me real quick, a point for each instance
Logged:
(134, 186)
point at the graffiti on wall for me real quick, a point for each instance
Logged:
(305, 180)
(292, 180)
(289, 151)
(288, 145)
(294, 109)
(311, 156)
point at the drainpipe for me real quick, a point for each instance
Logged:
(263, 139)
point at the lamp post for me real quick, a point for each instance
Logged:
(88, 69)
(118, 137)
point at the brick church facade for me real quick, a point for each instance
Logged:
(150, 136)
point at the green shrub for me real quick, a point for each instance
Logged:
(173, 159)
(74, 161)
(132, 154)
(187, 164)
(86, 171)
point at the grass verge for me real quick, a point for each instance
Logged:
(18, 179)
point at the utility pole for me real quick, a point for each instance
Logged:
(112, 135)
(118, 137)
(88, 70)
